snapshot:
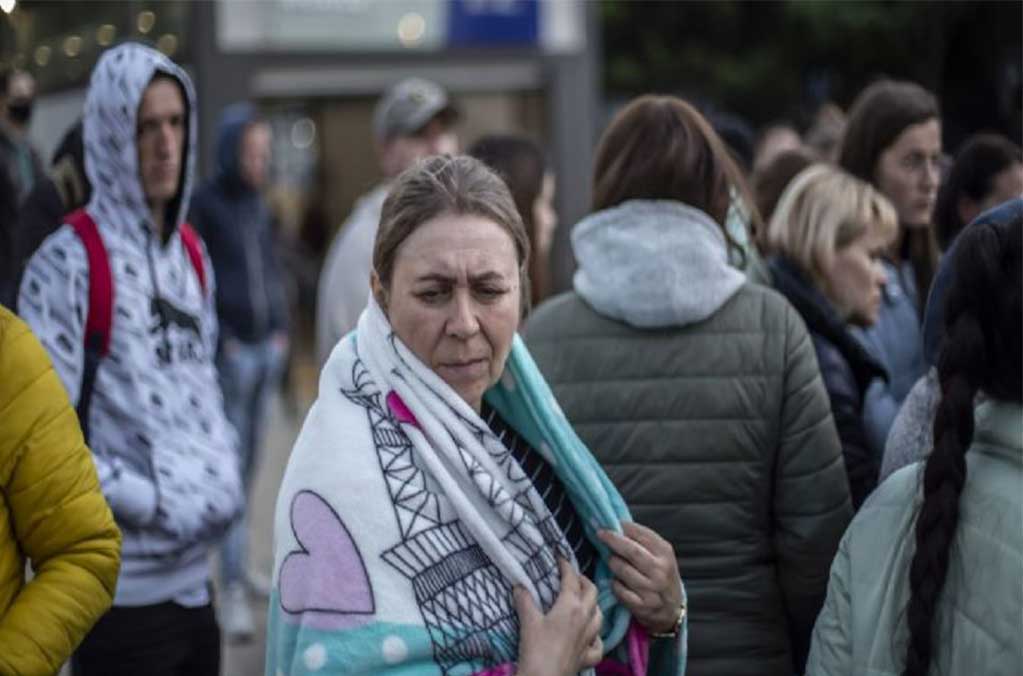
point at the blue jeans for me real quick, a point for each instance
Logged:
(248, 374)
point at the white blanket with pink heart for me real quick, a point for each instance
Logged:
(402, 523)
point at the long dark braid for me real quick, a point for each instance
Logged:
(981, 352)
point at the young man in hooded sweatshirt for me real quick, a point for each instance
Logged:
(236, 223)
(150, 403)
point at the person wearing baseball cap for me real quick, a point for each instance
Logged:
(414, 119)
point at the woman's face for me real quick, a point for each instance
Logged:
(545, 218)
(909, 171)
(454, 300)
(855, 277)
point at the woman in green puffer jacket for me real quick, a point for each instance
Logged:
(699, 392)
(927, 579)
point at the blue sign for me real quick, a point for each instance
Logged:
(481, 23)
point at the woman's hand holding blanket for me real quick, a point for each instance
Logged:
(647, 579)
(567, 639)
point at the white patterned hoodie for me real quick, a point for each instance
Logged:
(165, 453)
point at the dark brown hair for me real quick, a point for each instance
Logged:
(976, 165)
(879, 114)
(770, 181)
(660, 147)
(981, 352)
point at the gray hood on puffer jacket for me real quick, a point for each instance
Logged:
(653, 263)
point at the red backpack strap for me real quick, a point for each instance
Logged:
(101, 285)
(190, 240)
(100, 315)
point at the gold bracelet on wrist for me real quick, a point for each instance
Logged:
(676, 628)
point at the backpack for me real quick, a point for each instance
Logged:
(100, 317)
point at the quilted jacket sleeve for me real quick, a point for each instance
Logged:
(831, 649)
(811, 498)
(58, 517)
(861, 463)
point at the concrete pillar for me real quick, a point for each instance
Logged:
(574, 98)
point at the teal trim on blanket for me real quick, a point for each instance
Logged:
(319, 652)
(525, 401)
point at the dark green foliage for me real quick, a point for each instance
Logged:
(780, 59)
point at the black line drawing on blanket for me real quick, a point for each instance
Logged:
(465, 600)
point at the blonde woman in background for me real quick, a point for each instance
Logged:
(827, 237)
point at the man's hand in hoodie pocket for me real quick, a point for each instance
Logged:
(197, 514)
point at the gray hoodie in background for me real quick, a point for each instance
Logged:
(165, 453)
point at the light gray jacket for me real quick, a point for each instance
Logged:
(862, 628)
(344, 281)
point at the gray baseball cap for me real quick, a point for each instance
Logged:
(408, 106)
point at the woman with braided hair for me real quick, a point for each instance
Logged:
(927, 578)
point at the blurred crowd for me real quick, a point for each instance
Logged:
(793, 356)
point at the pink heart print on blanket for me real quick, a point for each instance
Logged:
(326, 579)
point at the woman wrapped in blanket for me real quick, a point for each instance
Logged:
(438, 514)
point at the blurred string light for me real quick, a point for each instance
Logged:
(8, 5)
(42, 55)
(145, 21)
(168, 44)
(303, 133)
(411, 29)
(72, 46)
(105, 34)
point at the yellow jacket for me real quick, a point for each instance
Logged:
(51, 512)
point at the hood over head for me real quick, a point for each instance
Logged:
(110, 130)
(653, 263)
(233, 121)
(934, 313)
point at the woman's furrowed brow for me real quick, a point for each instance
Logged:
(487, 276)
(436, 277)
